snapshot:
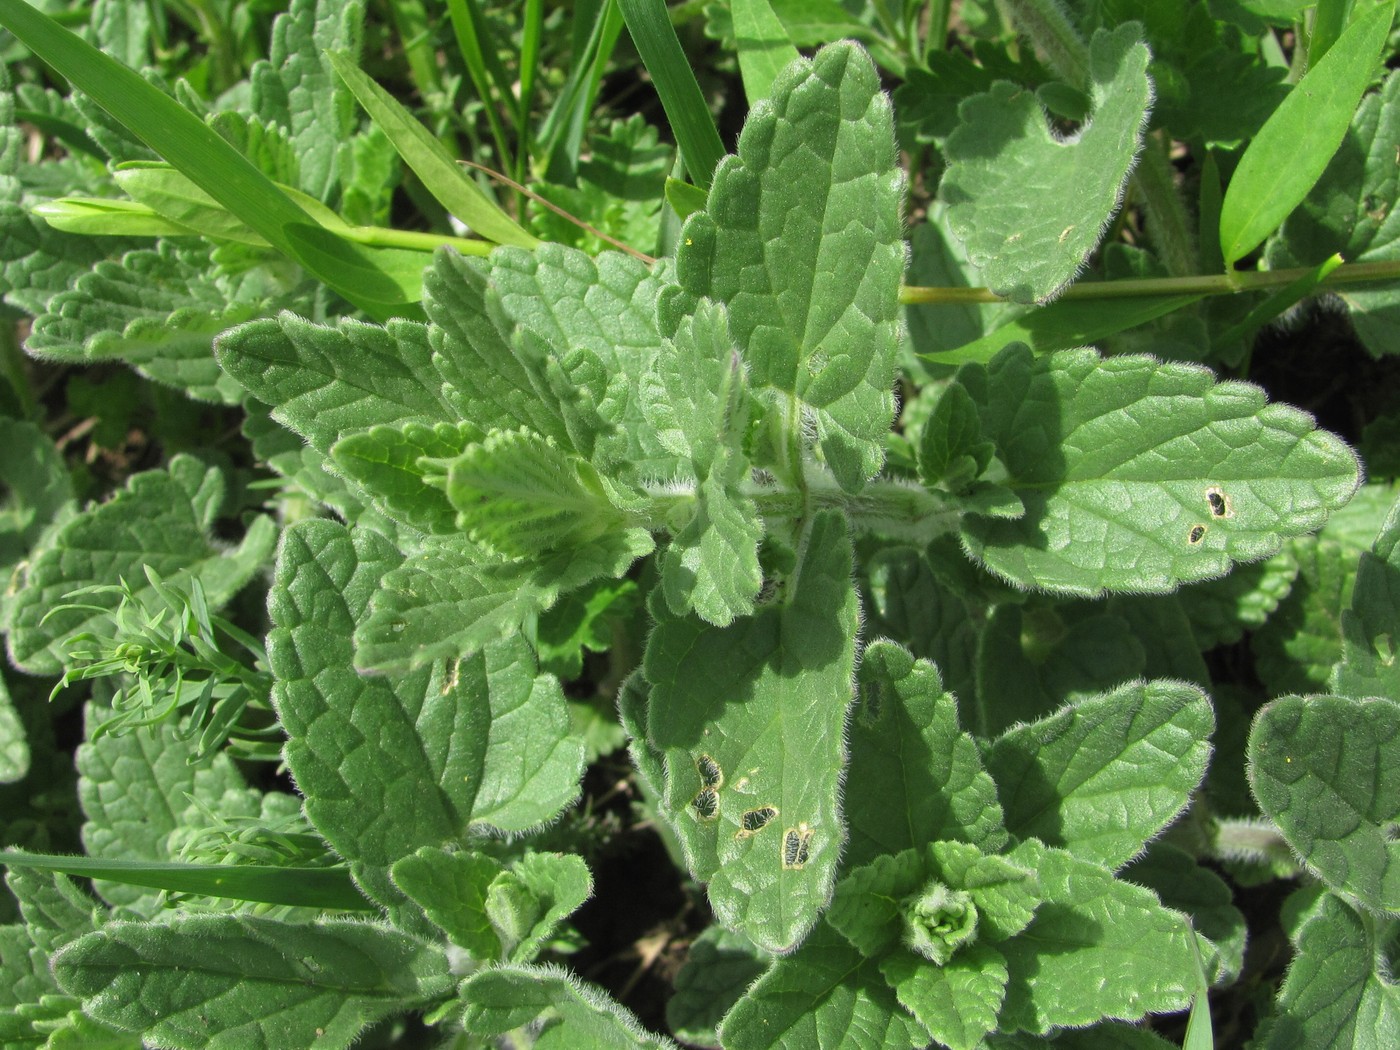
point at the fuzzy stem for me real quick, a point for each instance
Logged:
(1167, 221)
(1048, 26)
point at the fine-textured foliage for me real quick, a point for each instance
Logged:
(435, 621)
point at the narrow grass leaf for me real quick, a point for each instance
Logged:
(186, 142)
(649, 22)
(265, 884)
(442, 176)
(764, 46)
(1294, 146)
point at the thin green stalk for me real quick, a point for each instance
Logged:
(1217, 284)
(936, 15)
(468, 27)
(1167, 220)
(1049, 28)
(897, 509)
(529, 63)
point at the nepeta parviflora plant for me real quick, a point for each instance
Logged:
(918, 619)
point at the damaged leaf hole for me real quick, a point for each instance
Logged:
(797, 847)
(755, 820)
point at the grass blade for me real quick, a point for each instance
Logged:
(429, 159)
(691, 122)
(764, 46)
(265, 884)
(196, 150)
(1294, 146)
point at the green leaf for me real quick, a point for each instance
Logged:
(451, 598)
(951, 450)
(584, 621)
(140, 789)
(520, 494)
(697, 402)
(764, 47)
(1296, 650)
(527, 903)
(824, 994)
(877, 906)
(802, 243)
(1337, 993)
(719, 968)
(1141, 475)
(1190, 887)
(1324, 769)
(1368, 665)
(389, 461)
(957, 1002)
(491, 911)
(506, 997)
(195, 149)
(1104, 776)
(326, 383)
(585, 330)
(1098, 948)
(442, 176)
(1291, 151)
(217, 981)
(649, 24)
(294, 887)
(1029, 207)
(37, 487)
(159, 311)
(451, 889)
(1221, 610)
(1351, 210)
(152, 524)
(918, 777)
(296, 89)
(14, 748)
(484, 742)
(750, 718)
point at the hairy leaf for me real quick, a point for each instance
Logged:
(801, 242)
(1104, 776)
(296, 88)
(749, 718)
(141, 789)
(920, 778)
(824, 994)
(159, 522)
(1337, 993)
(506, 997)
(157, 310)
(1325, 769)
(719, 967)
(391, 765)
(1369, 626)
(1098, 948)
(451, 597)
(1141, 475)
(222, 982)
(327, 383)
(1031, 208)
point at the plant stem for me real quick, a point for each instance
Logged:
(1167, 221)
(1253, 839)
(1216, 284)
(1049, 29)
(898, 509)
